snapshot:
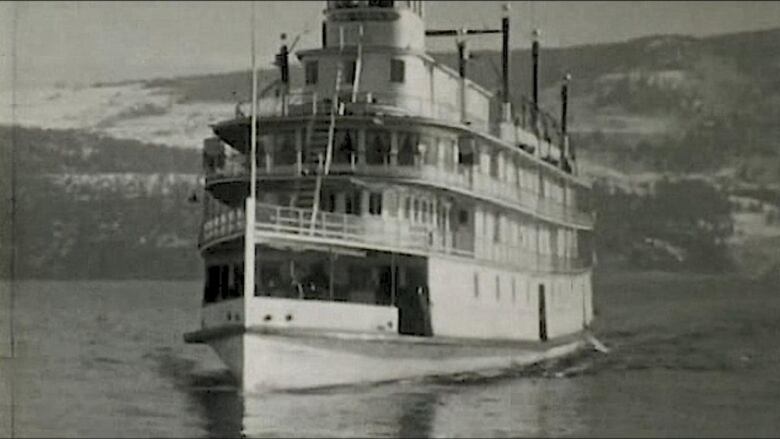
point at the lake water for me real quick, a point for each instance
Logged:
(691, 356)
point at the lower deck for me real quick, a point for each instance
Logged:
(374, 292)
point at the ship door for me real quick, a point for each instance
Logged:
(414, 313)
(542, 314)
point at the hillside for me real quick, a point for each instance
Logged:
(90, 206)
(111, 166)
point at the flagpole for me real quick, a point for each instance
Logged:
(249, 214)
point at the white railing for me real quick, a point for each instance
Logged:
(305, 103)
(466, 178)
(387, 234)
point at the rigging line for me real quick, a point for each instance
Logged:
(334, 108)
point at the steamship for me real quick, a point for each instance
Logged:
(389, 217)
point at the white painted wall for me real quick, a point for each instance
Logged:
(318, 314)
(457, 312)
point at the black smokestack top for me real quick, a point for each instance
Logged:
(505, 53)
(564, 101)
(535, 66)
(462, 55)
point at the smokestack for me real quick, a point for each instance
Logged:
(535, 63)
(566, 150)
(505, 63)
(462, 57)
(505, 52)
(564, 101)
(282, 60)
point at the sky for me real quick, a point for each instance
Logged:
(87, 42)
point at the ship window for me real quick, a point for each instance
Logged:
(237, 287)
(348, 73)
(463, 217)
(407, 149)
(378, 148)
(465, 152)
(407, 207)
(397, 70)
(375, 203)
(476, 284)
(416, 210)
(312, 72)
(346, 4)
(514, 290)
(284, 152)
(224, 274)
(328, 201)
(498, 288)
(211, 290)
(346, 148)
(352, 205)
(381, 3)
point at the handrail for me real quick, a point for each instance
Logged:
(527, 115)
(370, 232)
(471, 179)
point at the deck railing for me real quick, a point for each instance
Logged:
(526, 115)
(379, 233)
(465, 178)
(305, 103)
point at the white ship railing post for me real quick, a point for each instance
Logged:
(249, 234)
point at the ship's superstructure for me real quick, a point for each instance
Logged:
(396, 200)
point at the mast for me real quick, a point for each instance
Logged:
(249, 214)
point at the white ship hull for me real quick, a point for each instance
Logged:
(272, 360)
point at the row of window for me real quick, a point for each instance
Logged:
(414, 5)
(414, 149)
(349, 71)
(561, 291)
(318, 276)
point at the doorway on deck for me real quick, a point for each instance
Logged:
(413, 301)
(542, 314)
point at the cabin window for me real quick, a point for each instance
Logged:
(397, 70)
(431, 150)
(378, 147)
(328, 201)
(416, 210)
(476, 284)
(407, 149)
(348, 71)
(381, 3)
(514, 290)
(352, 203)
(465, 152)
(284, 152)
(346, 146)
(375, 203)
(237, 287)
(312, 72)
(211, 290)
(346, 4)
(224, 281)
(463, 217)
